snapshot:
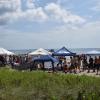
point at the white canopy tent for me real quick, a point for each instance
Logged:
(93, 52)
(5, 52)
(40, 51)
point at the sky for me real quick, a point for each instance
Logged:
(30, 24)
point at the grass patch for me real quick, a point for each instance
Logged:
(38, 85)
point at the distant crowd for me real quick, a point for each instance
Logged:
(13, 60)
(76, 63)
(80, 63)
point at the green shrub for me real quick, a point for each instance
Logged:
(38, 85)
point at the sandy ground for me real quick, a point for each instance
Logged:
(91, 73)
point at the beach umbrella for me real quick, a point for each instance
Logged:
(40, 51)
(5, 52)
(63, 52)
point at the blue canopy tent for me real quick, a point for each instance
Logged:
(63, 52)
(46, 58)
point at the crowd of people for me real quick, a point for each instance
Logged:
(76, 63)
(79, 63)
(13, 60)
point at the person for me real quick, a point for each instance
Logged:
(73, 64)
(2, 60)
(98, 64)
(64, 65)
(90, 66)
(78, 63)
(65, 68)
(85, 63)
(95, 64)
(68, 66)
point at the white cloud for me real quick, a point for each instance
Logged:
(57, 12)
(11, 5)
(16, 4)
(35, 14)
(12, 10)
(9, 9)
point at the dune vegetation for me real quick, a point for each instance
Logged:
(39, 85)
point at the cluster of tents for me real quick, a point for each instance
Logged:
(45, 55)
(61, 52)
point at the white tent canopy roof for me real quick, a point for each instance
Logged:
(5, 52)
(40, 51)
(93, 52)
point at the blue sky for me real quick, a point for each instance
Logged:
(26, 24)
